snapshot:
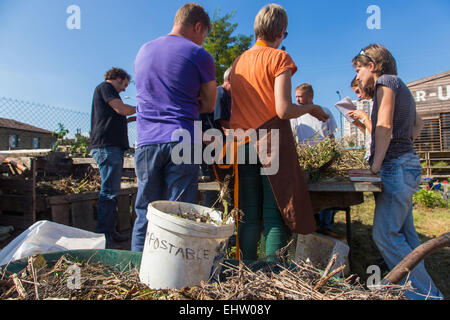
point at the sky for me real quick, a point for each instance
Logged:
(43, 61)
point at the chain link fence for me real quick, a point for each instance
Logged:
(50, 117)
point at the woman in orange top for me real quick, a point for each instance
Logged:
(261, 98)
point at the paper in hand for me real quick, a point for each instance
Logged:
(345, 106)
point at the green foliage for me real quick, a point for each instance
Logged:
(430, 199)
(440, 164)
(223, 46)
(79, 147)
(60, 135)
(76, 147)
(61, 132)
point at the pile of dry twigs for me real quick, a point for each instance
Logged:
(99, 282)
(89, 182)
(329, 159)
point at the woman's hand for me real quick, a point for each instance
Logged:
(375, 169)
(358, 114)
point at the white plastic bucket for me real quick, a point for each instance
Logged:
(179, 252)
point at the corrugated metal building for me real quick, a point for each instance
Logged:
(432, 96)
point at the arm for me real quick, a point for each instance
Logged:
(131, 119)
(122, 108)
(283, 102)
(207, 97)
(383, 130)
(418, 125)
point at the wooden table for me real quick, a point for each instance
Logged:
(336, 195)
(325, 194)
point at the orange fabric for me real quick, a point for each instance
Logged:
(252, 85)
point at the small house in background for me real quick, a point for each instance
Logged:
(16, 135)
(432, 96)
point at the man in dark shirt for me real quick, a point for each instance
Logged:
(219, 119)
(109, 140)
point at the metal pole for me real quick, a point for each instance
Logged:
(341, 117)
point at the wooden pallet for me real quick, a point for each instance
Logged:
(18, 201)
(20, 206)
(80, 210)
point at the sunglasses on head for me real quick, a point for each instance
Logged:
(362, 53)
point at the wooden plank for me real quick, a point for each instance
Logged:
(26, 153)
(17, 222)
(15, 184)
(326, 200)
(83, 215)
(16, 203)
(33, 190)
(328, 186)
(128, 162)
(336, 186)
(74, 197)
(123, 213)
(209, 186)
(61, 214)
(70, 198)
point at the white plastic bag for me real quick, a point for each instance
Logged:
(46, 236)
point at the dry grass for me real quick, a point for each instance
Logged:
(89, 182)
(329, 159)
(429, 224)
(98, 282)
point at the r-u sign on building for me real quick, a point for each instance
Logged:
(432, 96)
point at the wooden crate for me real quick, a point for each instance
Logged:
(80, 210)
(18, 201)
(20, 206)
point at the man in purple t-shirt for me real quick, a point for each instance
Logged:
(175, 82)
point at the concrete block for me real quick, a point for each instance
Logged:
(318, 249)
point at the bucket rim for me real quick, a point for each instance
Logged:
(208, 228)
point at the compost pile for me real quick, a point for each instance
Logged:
(100, 282)
(89, 182)
(195, 216)
(329, 159)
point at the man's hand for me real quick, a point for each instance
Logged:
(318, 113)
(131, 119)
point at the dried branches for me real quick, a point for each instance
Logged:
(98, 282)
(90, 182)
(329, 159)
(299, 281)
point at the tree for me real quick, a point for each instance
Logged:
(223, 46)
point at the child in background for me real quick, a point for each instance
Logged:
(364, 123)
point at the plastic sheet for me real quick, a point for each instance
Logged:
(46, 236)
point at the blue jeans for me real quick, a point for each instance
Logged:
(393, 228)
(160, 179)
(326, 218)
(110, 164)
